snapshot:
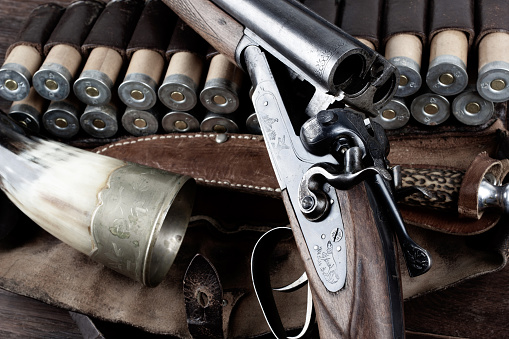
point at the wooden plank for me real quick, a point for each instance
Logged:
(22, 317)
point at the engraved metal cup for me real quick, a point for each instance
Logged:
(129, 217)
(141, 220)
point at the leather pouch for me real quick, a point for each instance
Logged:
(452, 15)
(405, 17)
(185, 39)
(75, 24)
(38, 27)
(361, 19)
(115, 26)
(491, 16)
(154, 28)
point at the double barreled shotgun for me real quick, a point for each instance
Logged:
(334, 176)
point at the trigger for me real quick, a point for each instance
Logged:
(264, 291)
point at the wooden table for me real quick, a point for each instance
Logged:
(478, 308)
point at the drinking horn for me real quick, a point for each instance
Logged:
(129, 217)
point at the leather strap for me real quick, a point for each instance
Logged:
(185, 39)
(38, 27)
(75, 24)
(115, 26)
(447, 221)
(361, 19)
(209, 162)
(203, 295)
(491, 16)
(468, 194)
(406, 17)
(452, 15)
(154, 28)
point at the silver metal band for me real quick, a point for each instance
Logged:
(141, 220)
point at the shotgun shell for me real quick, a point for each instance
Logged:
(253, 125)
(447, 71)
(395, 114)
(16, 73)
(493, 68)
(179, 91)
(99, 74)
(53, 81)
(140, 122)
(430, 109)
(100, 121)
(28, 111)
(472, 109)
(181, 122)
(138, 90)
(62, 118)
(219, 123)
(220, 93)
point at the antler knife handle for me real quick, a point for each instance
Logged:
(468, 192)
(443, 185)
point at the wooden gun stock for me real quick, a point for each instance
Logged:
(370, 304)
(215, 26)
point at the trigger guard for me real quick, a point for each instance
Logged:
(260, 276)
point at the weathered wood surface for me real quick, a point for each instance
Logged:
(22, 317)
(222, 31)
(478, 308)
